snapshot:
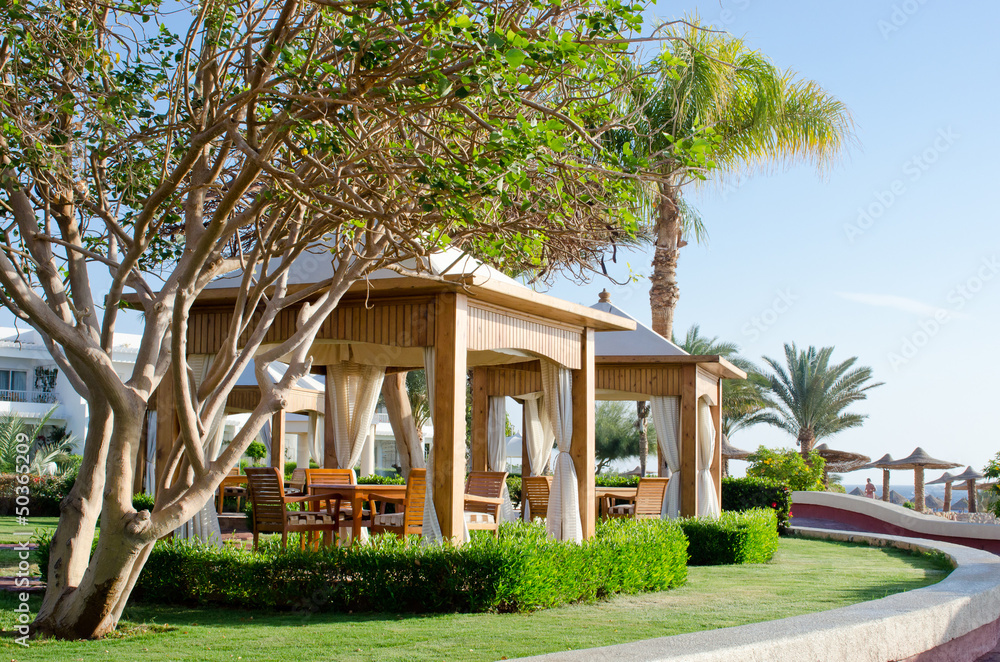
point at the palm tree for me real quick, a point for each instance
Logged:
(808, 396)
(743, 401)
(718, 105)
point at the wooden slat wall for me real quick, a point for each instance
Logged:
(639, 379)
(491, 328)
(393, 323)
(511, 381)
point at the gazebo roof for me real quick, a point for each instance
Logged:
(943, 480)
(643, 345)
(920, 459)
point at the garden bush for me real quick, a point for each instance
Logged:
(514, 489)
(615, 480)
(44, 493)
(143, 501)
(375, 479)
(739, 494)
(734, 537)
(521, 570)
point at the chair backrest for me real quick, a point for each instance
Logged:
(267, 492)
(535, 491)
(235, 471)
(298, 480)
(649, 496)
(485, 484)
(331, 476)
(416, 491)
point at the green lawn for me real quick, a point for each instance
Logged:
(805, 576)
(9, 530)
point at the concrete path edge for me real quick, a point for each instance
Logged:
(897, 627)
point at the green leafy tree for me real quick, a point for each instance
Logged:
(19, 438)
(256, 451)
(616, 433)
(735, 112)
(807, 395)
(789, 467)
(992, 470)
(138, 163)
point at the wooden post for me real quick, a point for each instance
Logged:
(278, 441)
(717, 457)
(139, 460)
(582, 443)
(480, 420)
(451, 343)
(525, 469)
(329, 433)
(167, 426)
(689, 440)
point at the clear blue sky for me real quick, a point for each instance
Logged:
(921, 86)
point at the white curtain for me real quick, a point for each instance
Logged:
(563, 518)
(205, 523)
(496, 438)
(666, 419)
(708, 500)
(431, 526)
(316, 452)
(264, 436)
(149, 478)
(538, 435)
(353, 390)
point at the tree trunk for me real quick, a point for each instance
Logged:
(806, 441)
(642, 409)
(663, 290)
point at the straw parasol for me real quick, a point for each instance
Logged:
(883, 463)
(946, 478)
(970, 476)
(731, 453)
(857, 492)
(933, 502)
(838, 461)
(896, 498)
(961, 504)
(918, 461)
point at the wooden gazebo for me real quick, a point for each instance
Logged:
(630, 364)
(470, 315)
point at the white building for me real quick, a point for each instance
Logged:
(31, 384)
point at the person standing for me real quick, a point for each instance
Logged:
(870, 489)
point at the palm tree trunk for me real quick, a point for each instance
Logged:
(663, 291)
(807, 439)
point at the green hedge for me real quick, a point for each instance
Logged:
(375, 479)
(45, 493)
(746, 537)
(521, 570)
(741, 494)
(615, 480)
(514, 488)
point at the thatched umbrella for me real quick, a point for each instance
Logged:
(839, 461)
(970, 476)
(896, 498)
(857, 492)
(933, 502)
(961, 504)
(946, 478)
(883, 463)
(918, 461)
(731, 453)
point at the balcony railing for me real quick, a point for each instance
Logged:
(380, 417)
(39, 397)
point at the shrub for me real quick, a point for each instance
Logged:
(521, 570)
(256, 451)
(514, 488)
(289, 468)
(789, 467)
(739, 494)
(375, 479)
(44, 493)
(745, 537)
(615, 480)
(143, 501)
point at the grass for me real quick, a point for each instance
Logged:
(805, 576)
(10, 531)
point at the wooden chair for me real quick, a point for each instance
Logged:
(409, 515)
(233, 485)
(483, 499)
(337, 477)
(270, 513)
(648, 500)
(296, 485)
(535, 493)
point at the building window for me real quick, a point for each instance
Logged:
(13, 380)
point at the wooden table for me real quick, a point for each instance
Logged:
(605, 495)
(356, 495)
(231, 481)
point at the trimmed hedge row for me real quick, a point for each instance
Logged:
(521, 570)
(739, 494)
(44, 493)
(734, 537)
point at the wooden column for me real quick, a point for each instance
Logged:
(689, 440)
(278, 441)
(139, 459)
(451, 343)
(717, 457)
(525, 469)
(167, 426)
(329, 435)
(582, 444)
(480, 420)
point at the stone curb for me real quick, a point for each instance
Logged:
(896, 627)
